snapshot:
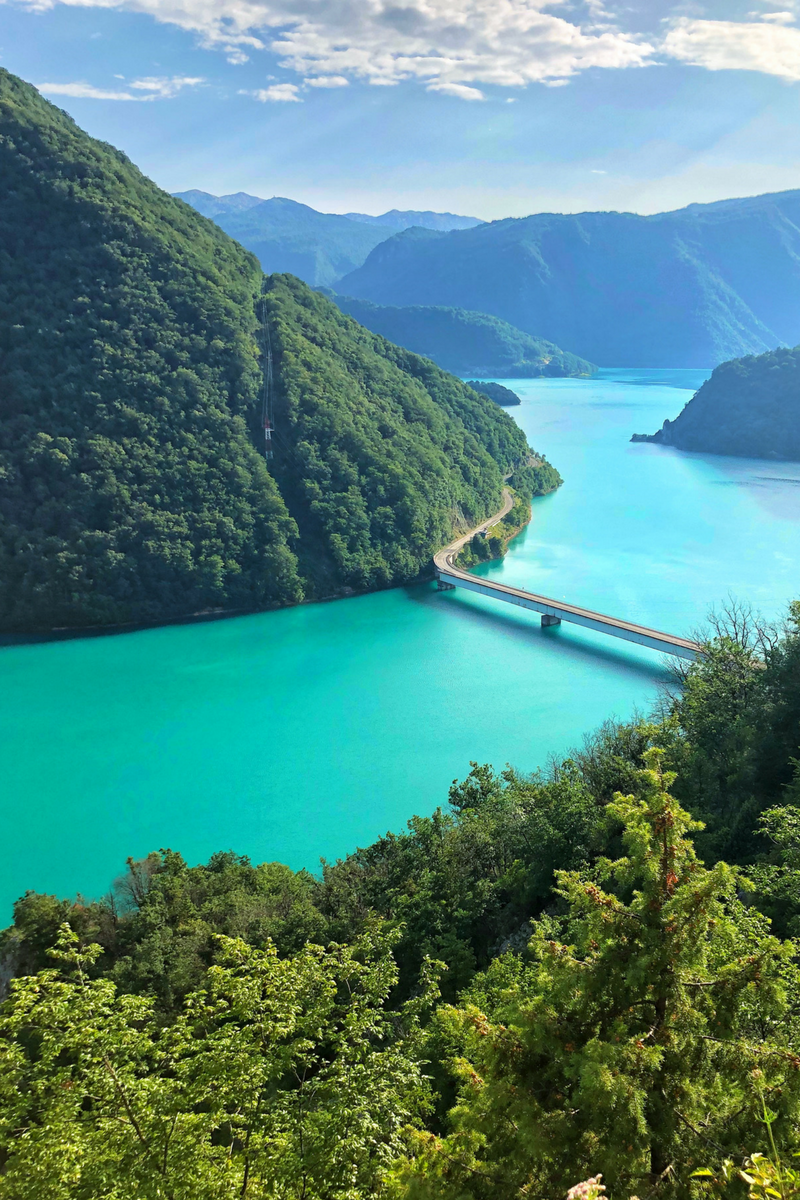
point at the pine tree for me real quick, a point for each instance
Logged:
(642, 1048)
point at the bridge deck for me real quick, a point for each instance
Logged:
(557, 610)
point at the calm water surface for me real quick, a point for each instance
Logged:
(307, 732)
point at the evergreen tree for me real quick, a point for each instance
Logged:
(641, 1049)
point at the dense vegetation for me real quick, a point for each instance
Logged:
(132, 336)
(750, 407)
(495, 391)
(466, 343)
(380, 454)
(493, 543)
(238, 1030)
(129, 484)
(684, 289)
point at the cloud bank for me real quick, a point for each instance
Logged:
(445, 44)
(770, 45)
(455, 47)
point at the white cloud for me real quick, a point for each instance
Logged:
(278, 91)
(164, 89)
(779, 18)
(328, 81)
(770, 48)
(457, 43)
(457, 89)
(155, 89)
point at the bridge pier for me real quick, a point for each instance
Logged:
(443, 586)
(549, 619)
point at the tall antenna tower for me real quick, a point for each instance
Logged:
(266, 404)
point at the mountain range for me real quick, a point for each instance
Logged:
(133, 337)
(689, 288)
(318, 247)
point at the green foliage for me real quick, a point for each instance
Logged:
(640, 1045)
(158, 929)
(130, 396)
(466, 343)
(380, 454)
(750, 406)
(495, 391)
(460, 886)
(494, 543)
(129, 485)
(734, 732)
(281, 1077)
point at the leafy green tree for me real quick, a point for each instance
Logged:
(283, 1077)
(641, 1047)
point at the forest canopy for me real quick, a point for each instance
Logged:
(750, 407)
(133, 338)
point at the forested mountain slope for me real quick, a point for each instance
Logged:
(750, 407)
(131, 358)
(130, 487)
(467, 343)
(689, 288)
(379, 453)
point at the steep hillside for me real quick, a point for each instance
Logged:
(466, 343)
(130, 399)
(287, 236)
(130, 488)
(686, 288)
(749, 407)
(379, 453)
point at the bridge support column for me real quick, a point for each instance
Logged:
(549, 619)
(443, 586)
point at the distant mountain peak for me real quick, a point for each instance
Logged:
(397, 219)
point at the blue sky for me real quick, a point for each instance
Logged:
(487, 107)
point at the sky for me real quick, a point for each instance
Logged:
(489, 108)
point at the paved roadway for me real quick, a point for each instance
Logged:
(553, 611)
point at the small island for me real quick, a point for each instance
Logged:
(750, 407)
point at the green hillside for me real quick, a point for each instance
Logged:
(749, 407)
(689, 288)
(380, 454)
(466, 343)
(131, 488)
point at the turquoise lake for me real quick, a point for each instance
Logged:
(307, 732)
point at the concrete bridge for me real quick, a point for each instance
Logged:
(553, 612)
